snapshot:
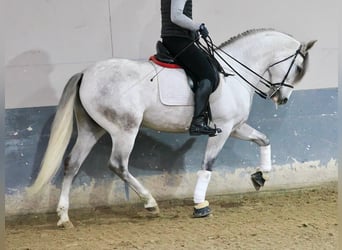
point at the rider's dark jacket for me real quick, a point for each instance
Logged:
(169, 28)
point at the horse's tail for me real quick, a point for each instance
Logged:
(60, 135)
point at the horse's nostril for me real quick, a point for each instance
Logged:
(285, 100)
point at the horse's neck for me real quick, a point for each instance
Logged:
(256, 51)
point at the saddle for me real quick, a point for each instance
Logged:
(163, 55)
(164, 58)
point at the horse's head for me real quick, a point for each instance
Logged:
(286, 71)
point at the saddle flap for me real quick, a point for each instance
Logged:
(174, 89)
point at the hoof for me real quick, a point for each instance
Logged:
(201, 210)
(153, 210)
(257, 180)
(65, 225)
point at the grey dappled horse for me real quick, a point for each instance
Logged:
(117, 96)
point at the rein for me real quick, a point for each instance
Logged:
(211, 49)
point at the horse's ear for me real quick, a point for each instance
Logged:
(310, 44)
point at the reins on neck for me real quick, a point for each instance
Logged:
(211, 49)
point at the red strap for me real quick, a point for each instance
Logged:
(163, 64)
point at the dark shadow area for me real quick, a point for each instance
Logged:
(24, 148)
(159, 154)
(28, 82)
(150, 156)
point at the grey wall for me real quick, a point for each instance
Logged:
(47, 41)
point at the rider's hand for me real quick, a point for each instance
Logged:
(203, 31)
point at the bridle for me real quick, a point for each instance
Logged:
(283, 82)
(212, 49)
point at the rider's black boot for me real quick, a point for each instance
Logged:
(199, 124)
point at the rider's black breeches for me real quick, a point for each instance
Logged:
(192, 59)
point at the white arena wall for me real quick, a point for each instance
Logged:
(47, 41)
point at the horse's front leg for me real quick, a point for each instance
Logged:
(247, 133)
(214, 146)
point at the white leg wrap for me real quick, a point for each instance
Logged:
(265, 158)
(201, 186)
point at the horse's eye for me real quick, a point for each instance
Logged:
(299, 73)
(299, 69)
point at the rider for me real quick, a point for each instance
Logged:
(178, 33)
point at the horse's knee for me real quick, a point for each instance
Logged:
(262, 141)
(266, 141)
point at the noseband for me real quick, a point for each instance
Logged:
(282, 83)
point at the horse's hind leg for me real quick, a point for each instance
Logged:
(247, 133)
(88, 134)
(123, 143)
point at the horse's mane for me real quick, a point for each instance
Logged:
(243, 34)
